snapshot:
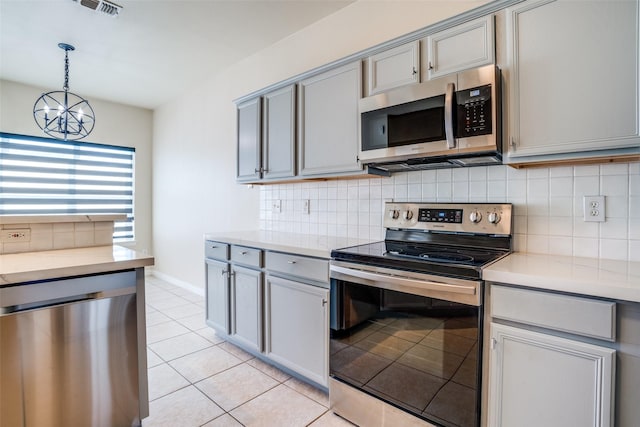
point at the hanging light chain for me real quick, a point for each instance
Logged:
(66, 70)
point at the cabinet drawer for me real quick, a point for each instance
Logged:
(576, 315)
(300, 266)
(251, 257)
(216, 250)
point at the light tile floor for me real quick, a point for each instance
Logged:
(196, 378)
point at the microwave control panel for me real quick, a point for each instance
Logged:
(473, 112)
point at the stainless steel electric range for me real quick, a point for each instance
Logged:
(406, 315)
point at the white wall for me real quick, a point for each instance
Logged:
(194, 136)
(116, 124)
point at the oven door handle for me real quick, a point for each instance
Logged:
(399, 283)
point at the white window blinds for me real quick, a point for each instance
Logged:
(42, 176)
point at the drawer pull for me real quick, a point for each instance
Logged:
(243, 252)
(291, 262)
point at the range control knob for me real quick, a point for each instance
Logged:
(408, 215)
(394, 214)
(494, 217)
(475, 217)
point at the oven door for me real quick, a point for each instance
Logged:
(412, 340)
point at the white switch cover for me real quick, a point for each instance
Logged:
(306, 207)
(16, 235)
(276, 207)
(594, 208)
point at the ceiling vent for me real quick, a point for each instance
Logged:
(101, 6)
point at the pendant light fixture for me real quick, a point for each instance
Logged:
(63, 114)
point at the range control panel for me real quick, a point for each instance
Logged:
(477, 218)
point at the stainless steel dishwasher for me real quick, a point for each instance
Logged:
(69, 352)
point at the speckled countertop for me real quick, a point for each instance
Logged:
(31, 266)
(618, 280)
(300, 244)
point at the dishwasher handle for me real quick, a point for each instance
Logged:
(53, 302)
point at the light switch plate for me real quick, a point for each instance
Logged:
(276, 207)
(594, 208)
(306, 207)
(15, 235)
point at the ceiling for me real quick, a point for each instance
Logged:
(151, 52)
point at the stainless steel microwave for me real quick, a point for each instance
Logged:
(450, 121)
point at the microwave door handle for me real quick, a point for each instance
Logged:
(448, 116)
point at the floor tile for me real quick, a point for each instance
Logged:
(210, 334)
(308, 390)
(165, 330)
(270, 370)
(235, 386)
(225, 420)
(163, 379)
(187, 407)
(204, 363)
(153, 359)
(267, 410)
(194, 321)
(179, 346)
(236, 351)
(156, 317)
(183, 311)
(167, 303)
(329, 419)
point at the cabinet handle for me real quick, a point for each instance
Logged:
(224, 272)
(324, 302)
(430, 66)
(513, 142)
(291, 262)
(414, 71)
(243, 252)
(212, 247)
(494, 343)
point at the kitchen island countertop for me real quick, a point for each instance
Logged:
(301, 244)
(32, 266)
(604, 278)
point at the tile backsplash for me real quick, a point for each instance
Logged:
(548, 205)
(59, 235)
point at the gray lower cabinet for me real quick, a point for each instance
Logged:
(543, 380)
(217, 295)
(246, 307)
(296, 327)
(552, 359)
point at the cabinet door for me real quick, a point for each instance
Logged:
(328, 122)
(559, 53)
(249, 142)
(462, 47)
(543, 380)
(278, 145)
(217, 295)
(246, 300)
(394, 67)
(297, 328)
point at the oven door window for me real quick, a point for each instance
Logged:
(420, 354)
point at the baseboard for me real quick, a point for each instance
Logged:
(180, 283)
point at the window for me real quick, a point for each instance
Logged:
(42, 176)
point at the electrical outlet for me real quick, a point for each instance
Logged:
(276, 207)
(306, 207)
(594, 208)
(16, 235)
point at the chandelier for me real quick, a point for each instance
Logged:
(63, 114)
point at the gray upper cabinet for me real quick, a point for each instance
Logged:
(279, 133)
(266, 136)
(464, 46)
(561, 106)
(328, 131)
(393, 68)
(249, 140)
